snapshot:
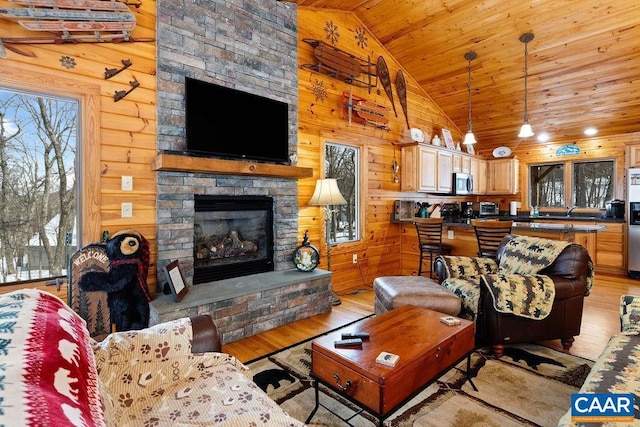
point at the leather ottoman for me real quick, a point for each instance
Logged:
(395, 291)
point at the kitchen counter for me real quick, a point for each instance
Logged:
(604, 238)
(544, 226)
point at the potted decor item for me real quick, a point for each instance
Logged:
(423, 209)
(306, 256)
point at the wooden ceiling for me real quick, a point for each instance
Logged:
(584, 61)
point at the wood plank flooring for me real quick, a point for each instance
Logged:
(600, 320)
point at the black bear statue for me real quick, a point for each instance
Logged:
(126, 282)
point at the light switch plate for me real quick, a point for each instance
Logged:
(127, 210)
(127, 183)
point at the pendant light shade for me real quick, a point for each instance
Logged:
(526, 131)
(469, 138)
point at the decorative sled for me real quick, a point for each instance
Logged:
(74, 21)
(76, 4)
(360, 110)
(336, 63)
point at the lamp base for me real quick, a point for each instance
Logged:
(335, 299)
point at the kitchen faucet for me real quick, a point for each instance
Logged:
(569, 210)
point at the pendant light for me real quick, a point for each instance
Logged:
(525, 130)
(469, 138)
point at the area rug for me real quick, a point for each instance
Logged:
(530, 385)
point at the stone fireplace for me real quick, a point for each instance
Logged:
(251, 47)
(178, 196)
(233, 236)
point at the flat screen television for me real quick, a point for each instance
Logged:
(232, 124)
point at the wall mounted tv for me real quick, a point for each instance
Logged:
(232, 124)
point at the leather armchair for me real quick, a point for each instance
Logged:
(569, 273)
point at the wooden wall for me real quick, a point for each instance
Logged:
(119, 138)
(321, 120)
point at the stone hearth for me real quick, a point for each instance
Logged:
(276, 299)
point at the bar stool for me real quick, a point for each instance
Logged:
(489, 234)
(430, 241)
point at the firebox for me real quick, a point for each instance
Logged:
(233, 236)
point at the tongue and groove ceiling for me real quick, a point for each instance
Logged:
(584, 61)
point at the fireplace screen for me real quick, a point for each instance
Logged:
(233, 236)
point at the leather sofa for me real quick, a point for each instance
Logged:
(54, 374)
(569, 272)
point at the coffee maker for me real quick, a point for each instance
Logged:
(450, 211)
(466, 210)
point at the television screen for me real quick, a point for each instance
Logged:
(228, 123)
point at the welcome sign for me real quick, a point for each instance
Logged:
(602, 407)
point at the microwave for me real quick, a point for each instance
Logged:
(489, 209)
(462, 183)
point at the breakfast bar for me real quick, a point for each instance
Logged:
(461, 236)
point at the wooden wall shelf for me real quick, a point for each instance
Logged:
(183, 163)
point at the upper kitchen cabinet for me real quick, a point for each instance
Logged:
(502, 176)
(427, 169)
(478, 170)
(633, 156)
(419, 169)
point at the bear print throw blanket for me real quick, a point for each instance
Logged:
(517, 288)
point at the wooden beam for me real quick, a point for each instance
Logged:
(182, 163)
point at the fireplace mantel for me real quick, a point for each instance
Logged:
(184, 163)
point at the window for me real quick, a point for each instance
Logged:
(593, 184)
(38, 200)
(547, 185)
(586, 184)
(342, 162)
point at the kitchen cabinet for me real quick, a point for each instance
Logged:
(478, 169)
(457, 163)
(426, 169)
(610, 256)
(466, 164)
(445, 166)
(633, 156)
(419, 169)
(429, 169)
(502, 176)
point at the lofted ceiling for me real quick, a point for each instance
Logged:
(584, 61)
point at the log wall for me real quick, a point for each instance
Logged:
(120, 137)
(321, 120)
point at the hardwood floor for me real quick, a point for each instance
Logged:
(600, 320)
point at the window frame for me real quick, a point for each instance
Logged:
(568, 179)
(25, 78)
(360, 184)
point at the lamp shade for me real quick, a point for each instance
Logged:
(525, 131)
(327, 193)
(469, 138)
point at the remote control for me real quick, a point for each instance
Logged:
(348, 343)
(348, 335)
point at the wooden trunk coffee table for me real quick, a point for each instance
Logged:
(426, 346)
